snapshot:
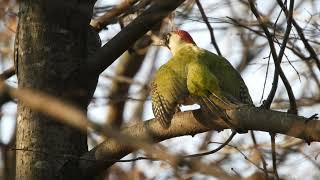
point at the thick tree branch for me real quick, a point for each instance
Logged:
(188, 123)
(124, 39)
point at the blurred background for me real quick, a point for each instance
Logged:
(122, 96)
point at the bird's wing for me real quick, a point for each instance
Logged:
(202, 83)
(204, 86)
(167, 89)
(230, 81)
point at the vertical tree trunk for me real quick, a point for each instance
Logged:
(50, 49)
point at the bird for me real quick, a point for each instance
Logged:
(195, 75)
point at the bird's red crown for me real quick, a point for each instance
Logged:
(184, 36)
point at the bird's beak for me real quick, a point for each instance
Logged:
(156, 41)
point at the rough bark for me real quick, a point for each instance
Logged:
(50, 49)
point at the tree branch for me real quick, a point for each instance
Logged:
(112, 15)
(6, 74)
(210, 28)
(124, 39)
(305, 41)
(191, 123)
(276, 59)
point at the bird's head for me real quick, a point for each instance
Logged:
(176, 39)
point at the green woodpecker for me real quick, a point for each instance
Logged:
(195, 75)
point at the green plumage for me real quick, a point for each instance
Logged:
(197, 74)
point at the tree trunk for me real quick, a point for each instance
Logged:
(50, 53)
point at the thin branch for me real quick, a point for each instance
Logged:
(293, 48)
(210, 28)
(275, 77)
(215, 150)
(255, 145)
(313, 161)
(111, 15)
(304, 101)
(293, 105)
(7, 73)
(313, 54)
(121, 98)
(244, 156)
(235, 172)
(277, 60)
(265, 79)
(274, 156)
(124, 79)
(74, 157)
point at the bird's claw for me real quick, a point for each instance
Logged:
(178, 109)
(240, 130)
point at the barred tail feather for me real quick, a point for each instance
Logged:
(163, 109)
(162, 114)
(208, 105)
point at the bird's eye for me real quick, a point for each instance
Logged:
(167, 38)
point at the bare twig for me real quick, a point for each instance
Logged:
(313, 54)
(244, 156)
(232, 169)
(305, 101)
(274, 156)
(122, 98)
(264, 164)
(74, 157)
(124, 79)
(210, 28)
(111, 15)
(7, 73)
(293, 105)
(292, 47)
(265, 79)
(275, 77)
(277, 60)
(215, 150)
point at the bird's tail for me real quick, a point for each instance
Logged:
(214, 105)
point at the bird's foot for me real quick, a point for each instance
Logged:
(178, 109)
(240, 130)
